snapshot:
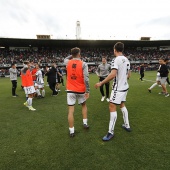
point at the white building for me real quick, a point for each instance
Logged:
(78, 30)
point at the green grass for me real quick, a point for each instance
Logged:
(40, 141)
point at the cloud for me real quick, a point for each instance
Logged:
(161, 21)
(99, 20)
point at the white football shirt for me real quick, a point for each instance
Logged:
(39, 79)
(122, 65)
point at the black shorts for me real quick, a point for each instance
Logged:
(59, 79)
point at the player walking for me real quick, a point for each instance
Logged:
(120, 72)
(157, 79)
(141, 72)
(77, 87)
(163, 77)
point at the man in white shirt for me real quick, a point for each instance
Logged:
(39, 83)
(157, 79)
(120, 67)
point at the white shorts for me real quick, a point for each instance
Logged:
(163, 80)
(72, 97)
(29, 90)
(118, 97)
(158, 78)
(40, 86)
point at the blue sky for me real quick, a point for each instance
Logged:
(99, 19)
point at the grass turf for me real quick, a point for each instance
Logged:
(40, 141)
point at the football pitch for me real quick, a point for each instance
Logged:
(39, 140)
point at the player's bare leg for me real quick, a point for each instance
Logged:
(84, 114)
(71, 120)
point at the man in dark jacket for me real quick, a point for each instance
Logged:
(51, 73)
(166, 61)
(141, 72)
(163, 74)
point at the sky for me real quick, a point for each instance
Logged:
(99, 19)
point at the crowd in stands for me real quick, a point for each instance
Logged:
(44, 56)
(88, 55)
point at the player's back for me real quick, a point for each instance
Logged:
(123, 66)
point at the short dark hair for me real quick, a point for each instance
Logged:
(75, 51)
(119, 47)
(12, 64)
(104, 57)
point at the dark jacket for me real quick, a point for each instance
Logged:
(164, 71)
(141, 69)
(51, 75)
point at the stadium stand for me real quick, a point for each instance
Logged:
(46, 52)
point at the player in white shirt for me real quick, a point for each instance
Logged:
(120, 67)
(39, 84)
(158, 78)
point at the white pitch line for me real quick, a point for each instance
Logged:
(149, 80)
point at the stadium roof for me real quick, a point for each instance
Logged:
(13, 42)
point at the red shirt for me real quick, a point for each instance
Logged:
(33, 74)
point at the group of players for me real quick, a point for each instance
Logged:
(78, 86)
(32, 82)
(32, 78)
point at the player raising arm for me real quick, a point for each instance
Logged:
(28, 84)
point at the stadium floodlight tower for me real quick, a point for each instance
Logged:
(78, 30)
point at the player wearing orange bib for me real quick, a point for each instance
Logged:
(28, 84)
(77, 87)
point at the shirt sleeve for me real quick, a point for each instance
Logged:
(128, 65)
(114, 64)
(86, 77)
(13, 70)
(66, 60)
(36, 73)
(109, 67)
(98, 70)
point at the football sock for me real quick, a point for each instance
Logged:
(153, 85)
(26, 96)
(85, 121)
(71, 130)
(43, 93)
(113, 117)
(38, 92)
(29, 101)
(125, 116)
